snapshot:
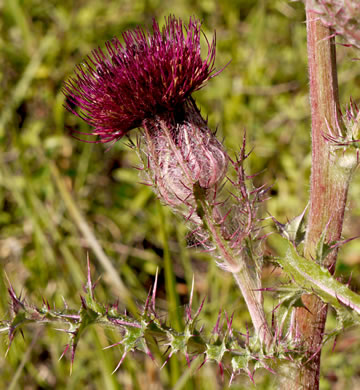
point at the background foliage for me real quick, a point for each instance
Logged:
(42, 247)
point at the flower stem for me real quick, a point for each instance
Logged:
(327, 195)
(245, 277)
(253, 300)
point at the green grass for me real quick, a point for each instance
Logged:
(61, 199)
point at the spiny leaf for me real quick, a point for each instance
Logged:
(313, 278)
(294, 230)
(222, 346)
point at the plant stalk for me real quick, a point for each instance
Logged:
(243, 274)
(254, 304)
(328, 193)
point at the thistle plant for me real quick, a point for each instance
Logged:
(141, 90)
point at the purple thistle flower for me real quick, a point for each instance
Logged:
(150, 74)
(147, 82)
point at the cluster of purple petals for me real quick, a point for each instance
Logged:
(150, 73)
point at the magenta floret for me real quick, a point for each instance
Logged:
(150, 73)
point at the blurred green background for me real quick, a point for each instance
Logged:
(45, 235)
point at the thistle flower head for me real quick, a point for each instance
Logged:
(147, 75)
(147, 82)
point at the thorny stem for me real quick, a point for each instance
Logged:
(238, 267)
(328, 193)
(244, 279)
(223, 345)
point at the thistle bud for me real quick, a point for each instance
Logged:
(183, 152)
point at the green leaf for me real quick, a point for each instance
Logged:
(294, 230)
(313, 278)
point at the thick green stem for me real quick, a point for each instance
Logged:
(328, 193)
